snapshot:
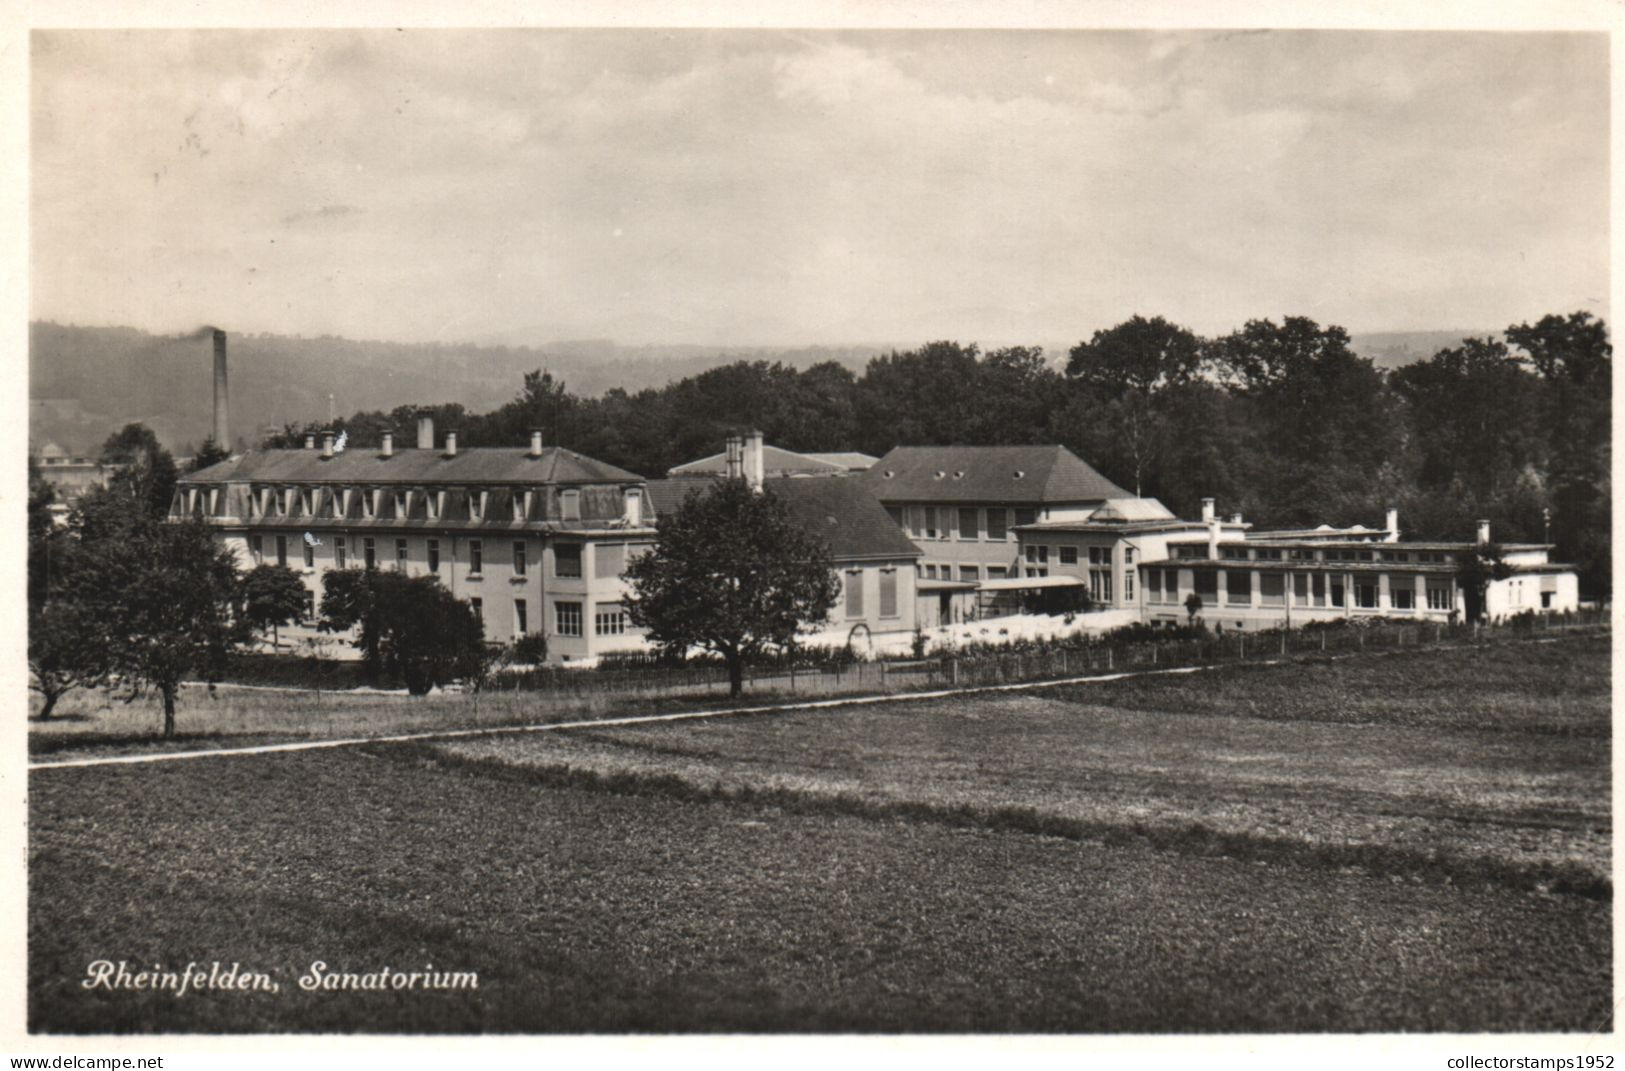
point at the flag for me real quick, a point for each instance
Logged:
(338, 444)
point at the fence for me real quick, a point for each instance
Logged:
(1035, 662)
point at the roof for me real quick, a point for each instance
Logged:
(775, 462)
(368, 466)
(1119, 528)
(841, 512)
(1035, 475)
(850, 460)
(1132, 509)
(1026, 583)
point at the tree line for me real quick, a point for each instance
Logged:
(1282, 422)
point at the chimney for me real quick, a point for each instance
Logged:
(425, 431)
(535, 444)
(736, 458)
(753, 460)
(1235, 518)
(1392, 526)
(389, 444)
(633, 513)
(451, 444)
(327, 444)
(1207, 509)
(1212, 534)
(1483, 533)
(310, 440)
(222, 398)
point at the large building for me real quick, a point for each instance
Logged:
(536, 539)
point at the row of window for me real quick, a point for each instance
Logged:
(404, 502)
(1308, 589)
(964, 523)
(1237, 552)
(854, 589)
(610, 559)
(609, 618)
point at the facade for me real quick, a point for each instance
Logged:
(71, 476)
(536, 539)
(875, 560)
(964, 505)
(1276, 579)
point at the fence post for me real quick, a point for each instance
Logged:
(956, 672)
(1283, 643)
(883, 676)
(1323, 641)
(1241, 645)
(1108, 660)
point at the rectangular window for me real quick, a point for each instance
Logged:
(969, 524)
(1128, 584)
(896, 514)
(930, 522)
(400, 554)
(970, 572)
(608, 559)
(477, 604)
(1439, 594)
(1069, 555)
(608, 619)
(519, 558)
(1238, 586)
(434, 555)
(854, 593)
(1318, 582)
(341, 555)
(1026, 516)
(1365, 594)
(1037, 555)
(570, 507)
(1207, 584)
(1337, 592)
(888, 593)
(1271, 589)
(310, 606)
(1128, 555)
(1300, 589)
(310, 555)
(567, 559)
(369, 552)
(997, 572)
(282, 550)
(997, 527)
(1100, 584)
(567, 618)
(1403, 596)
(256, 548)
(1037, 570)
(521, 617)
(476, 557)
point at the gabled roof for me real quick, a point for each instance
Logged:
(850, 460)
(841, 512)
(367, 466)
(1035, 475)
(775, 462)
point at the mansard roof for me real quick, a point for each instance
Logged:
(1025, 475)
(473, 465)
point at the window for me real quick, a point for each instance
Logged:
(1069, 555)
(1128, 584)
(400, 554)
(567, 559)
(969, 524)
(570, 510)
(282, 550)
(476, 557)
(608, 559)
(608, 619)
(477, 604)
(1318, 582)
(434, 555)
(310, 555)
(1207, 585)
(567, 618)
(1300, 589)
(1234, 553)
(1128, 555)
(996, 526)
(1037, 555)
(1403, 595)
(1100, 584)
(997, 572)
(369, 553)
(1153, 585)
(340, 555)
(854, 593)
(1037, 570)
(896, 514)
(888, 593)
(930, 522)
(1238, 585)
(256, 548)
(1026, 516)
(1365, 594)
(519, 558)
(1271, 589)
(1439, 594)
(310, 606)
(1094, 555)
(521, 618)
(970, 572)
(1190, 553)
(1337, 593)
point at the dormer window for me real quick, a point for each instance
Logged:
(940, 474)
(1019, 474)
(403, 504)
(307, 502)
(960, 475)
(570, 504)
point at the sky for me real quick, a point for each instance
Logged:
(813, 187)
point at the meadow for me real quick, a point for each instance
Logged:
(1417, 841)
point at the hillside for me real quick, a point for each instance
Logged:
(85, 382)
(1395, 349)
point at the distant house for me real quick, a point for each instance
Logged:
(70, 474)
(874, 559)
(537, 539)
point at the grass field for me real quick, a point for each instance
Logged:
(1412, 842)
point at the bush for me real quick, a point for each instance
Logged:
(529, 649)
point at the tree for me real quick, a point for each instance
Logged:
(1475, 569)
(144, 469)
(163, 594)
(408, 626)
(269, 596)
(210, 453)
(67, 639)
(732, 574)
(1193, 606)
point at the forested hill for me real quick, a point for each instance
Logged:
(87, 382)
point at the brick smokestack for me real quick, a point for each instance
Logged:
(222, 398)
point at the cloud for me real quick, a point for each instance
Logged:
(324, 212)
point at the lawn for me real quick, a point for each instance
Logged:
(1295, 848)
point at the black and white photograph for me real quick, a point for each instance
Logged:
(897, 525)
